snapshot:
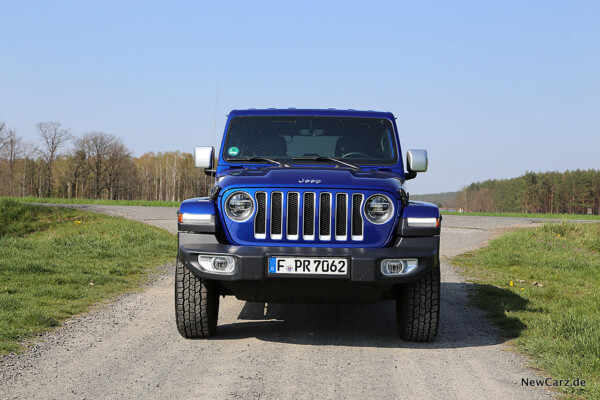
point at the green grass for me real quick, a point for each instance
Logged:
(56, 262)
(57, 200)
(558, 324)
(525, 215)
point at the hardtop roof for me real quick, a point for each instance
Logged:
(329, 112)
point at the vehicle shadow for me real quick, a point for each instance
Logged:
(374, 324)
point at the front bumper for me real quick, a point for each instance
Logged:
(364, 263)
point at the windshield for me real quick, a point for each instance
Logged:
(355, 140)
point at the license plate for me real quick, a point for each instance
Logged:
(305, 266)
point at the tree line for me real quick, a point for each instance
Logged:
(98, 165)
(95, 165)
(570, 192)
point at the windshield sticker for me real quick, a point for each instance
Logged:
(233, 151)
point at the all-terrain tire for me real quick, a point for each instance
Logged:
(418, 308)
(196, 304)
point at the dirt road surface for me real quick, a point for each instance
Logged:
(131, 349)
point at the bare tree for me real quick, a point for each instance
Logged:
(12, 150)
(117, 158)
(27, 162)
(97, 145)
(3, 135)
(53, 137)
(78, 167)
(107, 156)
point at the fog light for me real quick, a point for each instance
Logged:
(394, 266)
(217, 264)
(220, 263)
(398, 266)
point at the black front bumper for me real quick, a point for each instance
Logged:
(364, 263)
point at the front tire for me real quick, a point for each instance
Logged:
(196, 304)
(418, 308)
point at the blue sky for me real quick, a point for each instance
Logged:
(491, 89)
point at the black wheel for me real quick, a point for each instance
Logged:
(196, 304)
(418, 308)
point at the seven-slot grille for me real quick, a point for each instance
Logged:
(309, 215)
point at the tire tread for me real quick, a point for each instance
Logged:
(196, 304)
(418, 308)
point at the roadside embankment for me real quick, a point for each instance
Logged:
(56, 262)
(541, 286)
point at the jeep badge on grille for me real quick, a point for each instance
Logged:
(317, 181)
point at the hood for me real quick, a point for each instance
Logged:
(311, 177)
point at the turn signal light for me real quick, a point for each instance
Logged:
(423, 222)
(200, 219)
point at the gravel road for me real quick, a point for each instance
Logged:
(131, 349)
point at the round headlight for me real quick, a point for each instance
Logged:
(239, 206)
(379, 209)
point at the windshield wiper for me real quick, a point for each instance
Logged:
(323, 158)
(262, 159)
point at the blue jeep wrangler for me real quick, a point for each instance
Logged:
(309, 206)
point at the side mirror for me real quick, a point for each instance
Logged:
(416, 160)
(203, 157)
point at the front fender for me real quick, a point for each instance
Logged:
(198, 215)
(420, 219)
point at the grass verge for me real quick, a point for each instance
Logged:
(57, 200)
(556, 320)
(525, 215)
(57, 262)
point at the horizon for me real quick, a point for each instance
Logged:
(490, 90)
